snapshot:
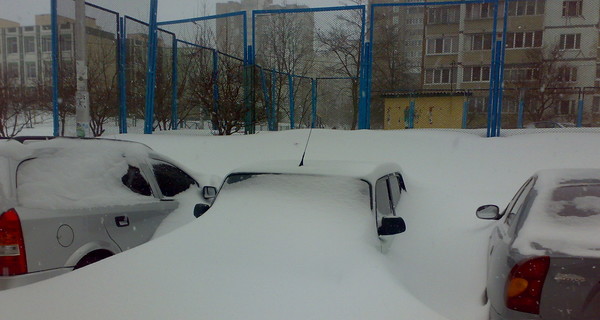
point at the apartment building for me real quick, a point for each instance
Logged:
(457, 42)
(26, 51)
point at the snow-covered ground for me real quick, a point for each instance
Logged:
(438, 263)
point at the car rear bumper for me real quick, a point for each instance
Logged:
(25, 279)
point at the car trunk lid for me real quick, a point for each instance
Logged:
(572, 289)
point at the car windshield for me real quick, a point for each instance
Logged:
(301, 188)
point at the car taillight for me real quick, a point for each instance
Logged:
(12, 245)
(524, 284)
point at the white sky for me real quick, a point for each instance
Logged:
(24, 11)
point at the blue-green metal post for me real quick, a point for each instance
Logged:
(292, 107)
(273, 101)
(411, 114)
(580, 108)
(465, 116)
(521, 109)
(122, 76)
(151, 74)
(174, 88)
(215, 77)
(54, 22)
(314, 103)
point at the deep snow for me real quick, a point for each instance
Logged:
(439, 262)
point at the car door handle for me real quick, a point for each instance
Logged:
(122, 221)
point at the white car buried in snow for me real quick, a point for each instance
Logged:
(66, 203)
(376, 186)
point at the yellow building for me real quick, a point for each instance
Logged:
(425, 110)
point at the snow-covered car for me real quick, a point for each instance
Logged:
(544, 252)
(378, 185)
(66, 203)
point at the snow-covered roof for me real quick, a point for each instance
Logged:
(369, 171)
(564, 217)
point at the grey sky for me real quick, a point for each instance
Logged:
(24, 11)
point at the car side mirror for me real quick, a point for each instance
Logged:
(488, 212)
(200, 209)
(209, 192)
(391, 225)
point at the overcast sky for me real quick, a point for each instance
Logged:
(24, 11)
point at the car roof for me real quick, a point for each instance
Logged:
(560, 225)
(369, 171)
(27, 147)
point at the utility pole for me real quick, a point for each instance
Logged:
(82, 96)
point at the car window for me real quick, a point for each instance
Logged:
(134, 180)
(518, 202)
(171, 180)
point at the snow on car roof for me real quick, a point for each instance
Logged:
(369, 171)
(73, 173)
(564, 216)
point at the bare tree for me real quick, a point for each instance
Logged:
(285, 44)
(544, 83)
(342, 41)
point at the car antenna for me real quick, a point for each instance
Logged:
(305, 147)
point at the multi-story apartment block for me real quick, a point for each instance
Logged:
(26, 51)
(457, 42)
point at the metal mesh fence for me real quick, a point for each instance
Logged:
(424, 58)
(211, 87)
(303, 45)
(431, 66)
(136, 53)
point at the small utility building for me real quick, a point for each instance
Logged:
(425, 109)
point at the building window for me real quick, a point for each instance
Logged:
(442, 45)
(440, 75)
(11, 30)
(476, 73)
(65, 42)
(478, 104)
(29, 28)
(481, 41)
(30, 70)
(66, 25)
(568, 74)
(413, 43)
(12, 70)
(46, 43)
(565, 107)
(530, 39)
(29, 44)
(443, 14)
(415, 10)
(12, 46)
(479, 11)
(414, 21)
(395, 20)
(570, 41)
(596, 105)
(572, 8)
(526, 7)
(521, 74)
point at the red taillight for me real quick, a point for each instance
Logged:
(12, 245)
(524, 285)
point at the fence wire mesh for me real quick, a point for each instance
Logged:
(431, 66)
(302, 46)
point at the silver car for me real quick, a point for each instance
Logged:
(544, 252)
(66, 203)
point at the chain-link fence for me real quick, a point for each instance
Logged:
(300, 46)
(450, 64)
